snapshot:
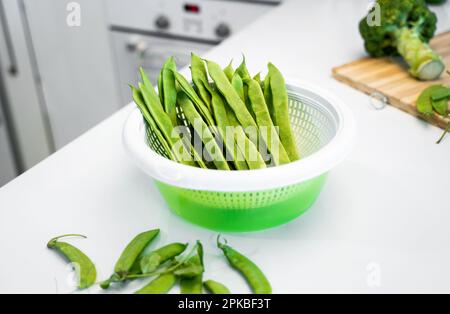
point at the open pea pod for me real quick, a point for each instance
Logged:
(130, 255)
(86, 271)
(191, 273)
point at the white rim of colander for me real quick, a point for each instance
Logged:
(179, 175)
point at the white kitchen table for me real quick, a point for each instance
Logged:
(381, 224)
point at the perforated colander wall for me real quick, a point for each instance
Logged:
(314, 123)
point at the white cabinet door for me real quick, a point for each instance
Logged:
(75, 64)
(7, 165)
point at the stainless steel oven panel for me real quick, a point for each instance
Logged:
(150, 52)
(214, 20)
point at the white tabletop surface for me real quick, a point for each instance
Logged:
(381, 224)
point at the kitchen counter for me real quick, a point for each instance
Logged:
(381, 224)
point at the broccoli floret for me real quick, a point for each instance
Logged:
(405, 28)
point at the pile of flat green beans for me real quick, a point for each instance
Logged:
(221, 105)
(165, 266)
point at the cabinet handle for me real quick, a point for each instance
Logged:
(12, 67)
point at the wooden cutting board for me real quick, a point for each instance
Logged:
(389, 77)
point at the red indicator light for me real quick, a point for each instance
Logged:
(192, 8)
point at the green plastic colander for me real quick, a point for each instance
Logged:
(251, 200)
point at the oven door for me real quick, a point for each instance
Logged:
(149, 51)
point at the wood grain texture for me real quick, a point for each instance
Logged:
(390, 77)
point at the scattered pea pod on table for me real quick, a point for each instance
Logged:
(151, 262)
(191, 277)
(86, 272)
(215, 287)
(129, 256)
(160, 285)
(254, 276)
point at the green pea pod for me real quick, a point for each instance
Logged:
(200, 79)
(265, 124)
(254, 276)
(86, 273)
(201, 127)
(191, 285)
(246, 146)
(281, 110)
(230, 95)
(238, 86)
(138, 99)
(161, 87)
(126, 262)
(189, 282)
(160, 285)
(242, 70)
(268, 97)
(151, 262)
(195, 99)
(220, 113)
(229, 71)
(169, 89)
(189, 269)
(215, 287)
(257, 78)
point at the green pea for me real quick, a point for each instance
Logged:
(87, 273)
(201, 127)
(230, 95)
(263, 119)
(169, 91)
(138, 99)
(215, 287)
(229, 71)
(130, 255)
(160, 285)
(151, 262)
(254, 276)
(281, 110)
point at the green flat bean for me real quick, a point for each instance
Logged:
(246, 146)
(151, 262)
(138, 99)
(229, 71)
(220, 113)
(130, 255)
(195, 99)
(268, 97)
(160, 285)
(230, 95)
(263, 119)
(201, 127)
(254, 276)
(169, 90)
(86, 273)
(215, 287)
(281, 109)
(242, 70)
(200, 79)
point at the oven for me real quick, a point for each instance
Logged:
(146, 32)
